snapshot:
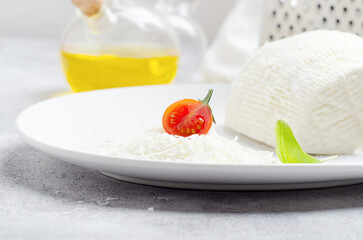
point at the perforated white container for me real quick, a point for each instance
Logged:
(284, 18)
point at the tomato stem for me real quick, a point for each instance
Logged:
(208, 97)
(206, 101)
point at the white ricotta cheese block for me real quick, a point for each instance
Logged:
(314, 81)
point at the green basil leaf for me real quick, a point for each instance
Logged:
(287, 148)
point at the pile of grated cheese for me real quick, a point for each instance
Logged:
(211, 148)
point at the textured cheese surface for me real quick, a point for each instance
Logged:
(158, 145)
(314, 81)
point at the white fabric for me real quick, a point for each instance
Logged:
(238, 38)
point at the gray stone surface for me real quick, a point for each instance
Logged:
(45, 198)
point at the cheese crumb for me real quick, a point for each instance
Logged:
(211, 148)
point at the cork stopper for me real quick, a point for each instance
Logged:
(88, 7)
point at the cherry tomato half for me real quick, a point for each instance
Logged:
(188, 116)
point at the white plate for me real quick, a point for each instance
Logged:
(57, 126)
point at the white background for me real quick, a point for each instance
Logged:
(47, 18)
